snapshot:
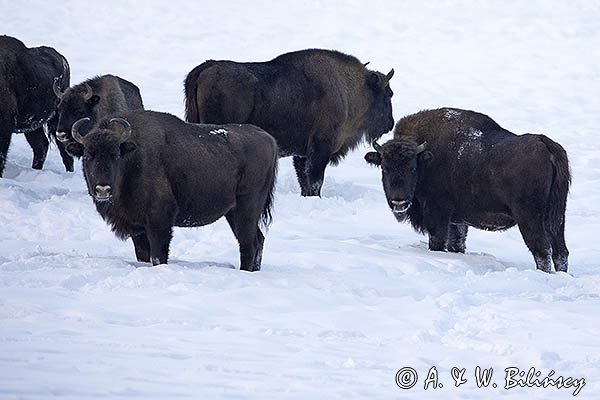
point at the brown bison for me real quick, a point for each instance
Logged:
(96, 99)
(448, 169)
(28, 77)
(318, 104)
(150, 171)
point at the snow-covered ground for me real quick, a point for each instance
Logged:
(346, 296)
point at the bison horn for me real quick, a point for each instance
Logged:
(421, 148)
(388, 77)
(75, 129)
(57, 90)
(126, 134)
(87, 94)
(367, 63)
(377, 147)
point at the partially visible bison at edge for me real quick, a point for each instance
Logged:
(28, 77)
(318, 104)
(150, 171)
(96, 99)
(448, 169)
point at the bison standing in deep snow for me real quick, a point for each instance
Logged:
(448, 169)
(29, 78)
(150, 171)
(318, 104)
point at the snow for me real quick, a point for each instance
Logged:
(346, 296)
(218, 132)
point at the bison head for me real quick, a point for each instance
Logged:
(379, 118)
(400, 160)
(102, 151)
(75, 103)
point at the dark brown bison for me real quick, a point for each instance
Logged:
(448, 169)
(318, 104)
(27, 99)
(96, 99)
(150, 171)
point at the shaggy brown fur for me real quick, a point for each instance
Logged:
(318, 104)
(475, 173)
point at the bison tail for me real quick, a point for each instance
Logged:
(561, 180)
(190, 86)
(266, 216)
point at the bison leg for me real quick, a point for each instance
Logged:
(5, 136)
(536, 238)
(560, 253)
(159, 237)
(7, 124)
(66, 157)
(438, 225)
(317, 160)
(457, 237)
(39, 143)
(300, 167)
(141, 246)
(243, 220)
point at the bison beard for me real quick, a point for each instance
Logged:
(318, 104)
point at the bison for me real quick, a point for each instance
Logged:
(148, 171)
(96, 99)
(318, 104)
(448, 169)
(27, 99)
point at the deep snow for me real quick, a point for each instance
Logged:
(347, 296)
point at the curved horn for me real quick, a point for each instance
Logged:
(87, 94)
(421, 148)
(126, 134)
(377, 147)
(389, 76)
(75, 129)
(57, 90)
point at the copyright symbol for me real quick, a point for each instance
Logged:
(406, 378)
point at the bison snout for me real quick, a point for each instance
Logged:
(102, 192)
(62, 136)
(400, 206)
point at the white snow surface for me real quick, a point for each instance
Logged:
(346, 296)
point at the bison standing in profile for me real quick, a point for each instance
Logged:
(150, 171)
(28, 77)
(96, 99)
(318, 104)
(448, 169)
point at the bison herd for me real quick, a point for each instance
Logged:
(443, 171)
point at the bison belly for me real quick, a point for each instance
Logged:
(203, 211)
(489, 221)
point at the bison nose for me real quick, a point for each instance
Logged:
(400, 206)
(103, 192)
(62, 136)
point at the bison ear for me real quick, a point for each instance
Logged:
(94, 100)
(74, 149)
(127, 147)
(426, 157)
(373, 158)
(373, 80)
